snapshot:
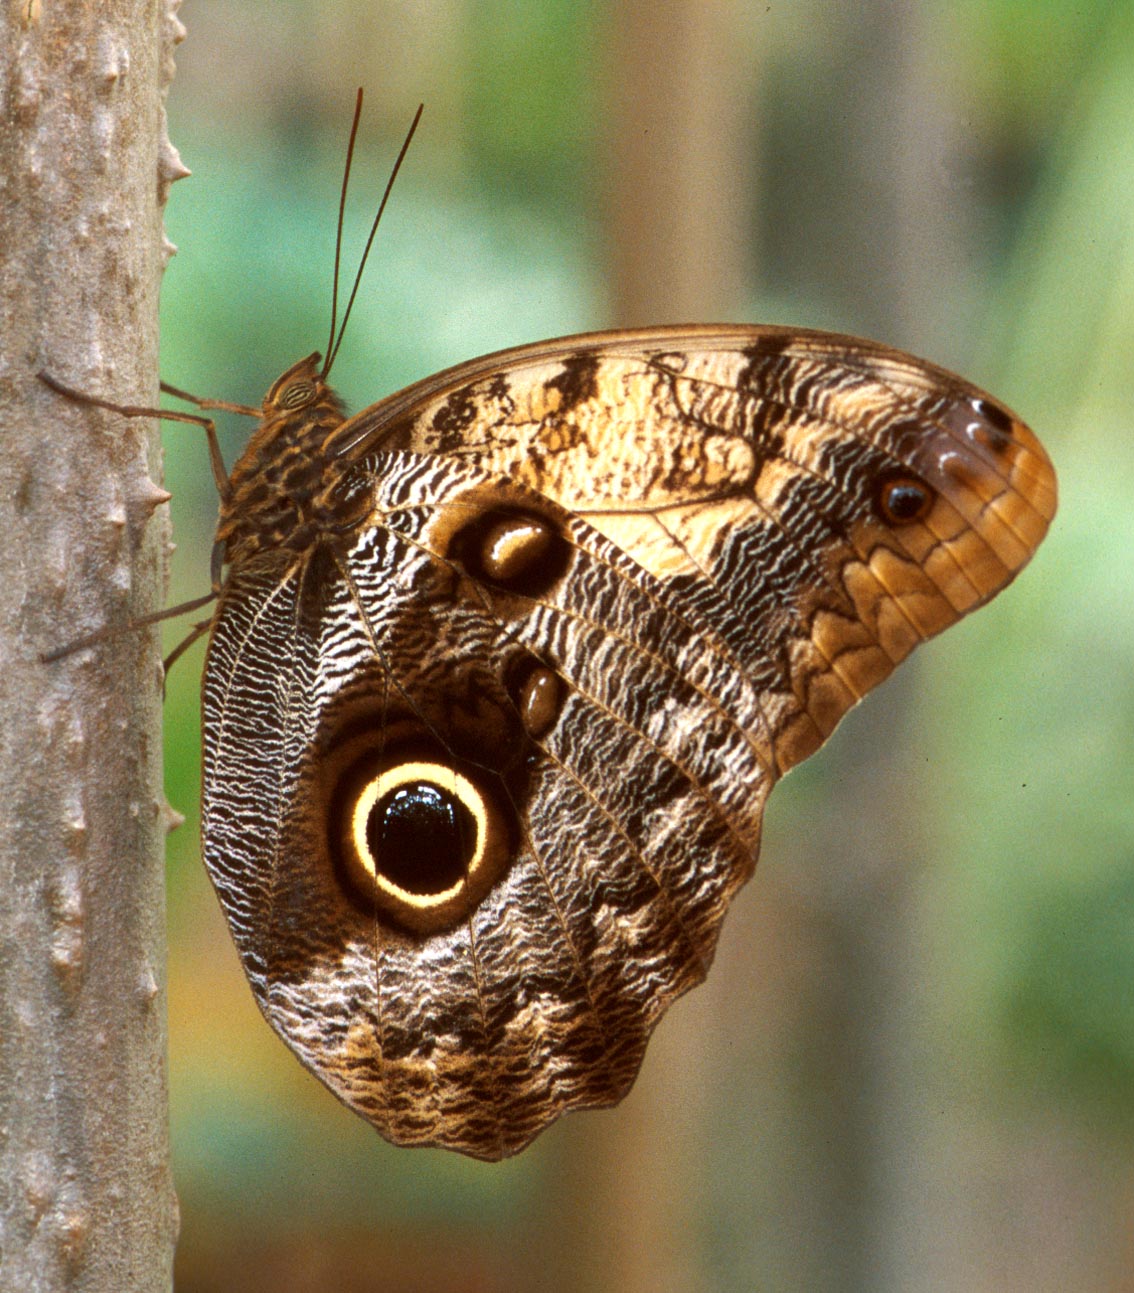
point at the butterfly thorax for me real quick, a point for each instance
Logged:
(281, 491)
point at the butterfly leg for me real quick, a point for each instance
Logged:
(220, 475)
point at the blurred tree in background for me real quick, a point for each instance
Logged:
(913, 1065)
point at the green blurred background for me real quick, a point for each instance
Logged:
(913, 1064)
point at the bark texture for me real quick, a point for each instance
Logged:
(86, 1199)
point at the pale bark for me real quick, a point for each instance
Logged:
(86, 1199)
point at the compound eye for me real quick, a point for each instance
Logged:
(296, 395)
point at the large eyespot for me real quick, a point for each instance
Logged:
(902, 499)
(418, 840)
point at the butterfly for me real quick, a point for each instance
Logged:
(506, 664)
(503, 668)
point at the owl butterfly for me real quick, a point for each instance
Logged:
(504, 667)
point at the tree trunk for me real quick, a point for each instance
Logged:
(86, 1199)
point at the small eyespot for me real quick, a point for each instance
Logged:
(296, 395)
(513, 547)
(539, 695)
(978, 421)
(514, 551)
(993, 414)
(904, 499)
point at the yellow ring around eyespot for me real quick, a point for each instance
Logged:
(436, 774)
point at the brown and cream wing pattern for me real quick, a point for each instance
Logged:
(487, 748)
(764, 467)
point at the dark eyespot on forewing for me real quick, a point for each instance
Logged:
(902, 498)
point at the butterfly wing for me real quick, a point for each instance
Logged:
(763, 470)
(484, 768)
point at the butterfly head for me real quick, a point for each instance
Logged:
(301, 387)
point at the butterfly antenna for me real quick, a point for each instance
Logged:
(336, 341)
(339, 229)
